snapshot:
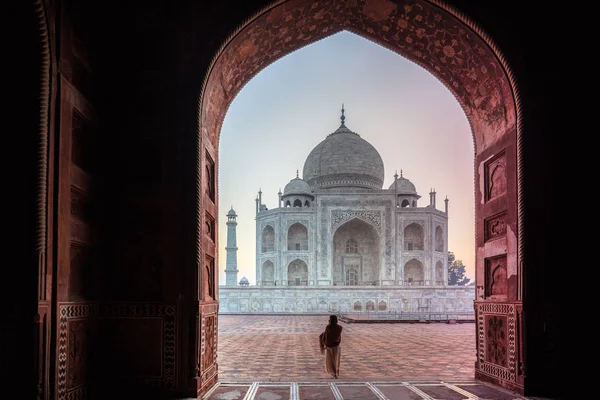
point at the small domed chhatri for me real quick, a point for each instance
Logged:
(296, 186)
(402, 185)
(337, 228)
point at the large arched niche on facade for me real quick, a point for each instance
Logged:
(297, 272)
(297, 237)
(267, 239)
(362, 256)
(268, 273)
(439, 239)
(414, 237)
(414, 272)
(439, 273)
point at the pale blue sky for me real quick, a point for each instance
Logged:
(288, 108)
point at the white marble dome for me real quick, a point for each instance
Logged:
(344, 159)
(296, 186)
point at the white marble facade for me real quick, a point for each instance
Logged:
(337, 238)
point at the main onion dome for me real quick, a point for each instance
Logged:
(403, 186)
(344, 159)
(296, 186)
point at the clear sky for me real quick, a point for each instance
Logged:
(289, 107)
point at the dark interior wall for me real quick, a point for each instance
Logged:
(20, 52)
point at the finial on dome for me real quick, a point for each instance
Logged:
(396, 175)
(343, 118)
(400, 173)
(297, 174)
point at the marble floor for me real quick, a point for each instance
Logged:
(339, 390)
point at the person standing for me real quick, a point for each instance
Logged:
(330, 341)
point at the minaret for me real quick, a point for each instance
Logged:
(231, 270)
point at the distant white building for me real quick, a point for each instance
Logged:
(338, 241)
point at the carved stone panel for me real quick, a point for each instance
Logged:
(495, 227)
(496, 332)
(496, 282)
(78, 355)
(209, 226)
(208, 279)
(495, 177)
(210, 178)
(209, 354)
(75, 341)
(496, 341)
(208, 343)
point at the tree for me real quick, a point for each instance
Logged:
(456, 271)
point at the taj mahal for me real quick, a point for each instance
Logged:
(340, 242)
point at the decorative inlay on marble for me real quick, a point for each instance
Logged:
(338, 217)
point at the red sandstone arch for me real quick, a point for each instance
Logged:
(427, 32)
(455, 51)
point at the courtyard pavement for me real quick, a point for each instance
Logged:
(282, 348)
(277, 358)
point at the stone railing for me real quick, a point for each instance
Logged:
(356, 283)
(294, 283)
